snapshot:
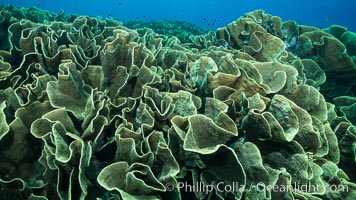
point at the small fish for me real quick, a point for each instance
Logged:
(107, 81)
(225, 44)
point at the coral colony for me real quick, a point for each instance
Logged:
(91, 109)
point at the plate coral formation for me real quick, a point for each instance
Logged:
(90, 108)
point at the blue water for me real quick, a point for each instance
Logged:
(209, 13)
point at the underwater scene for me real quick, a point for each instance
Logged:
(177, 100)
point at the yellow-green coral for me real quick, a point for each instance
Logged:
(92, 109)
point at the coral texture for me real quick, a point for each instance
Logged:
(92, 109)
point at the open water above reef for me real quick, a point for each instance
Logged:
(209, 14)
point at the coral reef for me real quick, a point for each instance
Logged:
(184, 31)
(91, 109)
